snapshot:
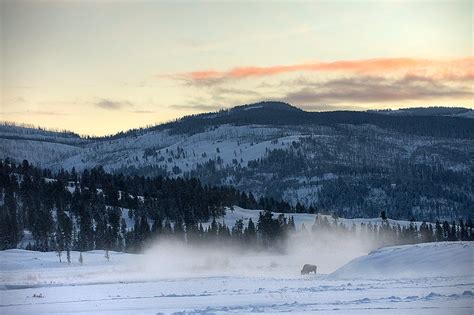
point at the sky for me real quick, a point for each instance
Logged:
(98, 67)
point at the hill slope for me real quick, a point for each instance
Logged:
(351, 163)
(445, 259)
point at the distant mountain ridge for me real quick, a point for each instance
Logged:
(13, 131)
(283, 114)
(350, 163)
(455, 119)
(429, 111)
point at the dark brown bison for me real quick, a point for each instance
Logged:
(307, 269)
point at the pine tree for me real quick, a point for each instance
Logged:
(142, 234)
(238, 230)
(86, 233)
(64, 227)
(470, 233)
(446, 231)
(431, 233)
(201, 232)
(58, 242)
(178, 232)
(10, 233)
(167, 229)
(212, 230)
(43, 227)
(453, 234)
(425, 234)
(4, 232)
(412, 232)
(268, 228)
(123, 233)
(463, 236)
(192, 233)
(68, 256)
(157, 227)
(250, 233)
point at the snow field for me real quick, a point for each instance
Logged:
(170, 279)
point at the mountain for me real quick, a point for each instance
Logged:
(344, 162)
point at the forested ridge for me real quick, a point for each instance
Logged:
(96, 203)
(356, 172)
(67, 211)
(411, 163)
(432, 121)
(283, 114)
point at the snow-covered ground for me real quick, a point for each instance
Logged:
(408, 261)
(169, 278)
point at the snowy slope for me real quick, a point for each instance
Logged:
(12, 131)
(37, 152)
(233, 145)
(246, 155)
(444, 259)
(243, 143)
(468, 114)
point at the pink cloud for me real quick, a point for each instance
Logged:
(450, 69)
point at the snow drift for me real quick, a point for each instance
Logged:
(446, 259)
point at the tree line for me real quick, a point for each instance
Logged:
(70, 211)
(94, 209)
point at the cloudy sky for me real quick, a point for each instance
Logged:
(97, 67)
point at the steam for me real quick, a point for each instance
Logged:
(329, 250)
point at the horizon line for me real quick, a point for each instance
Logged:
(124, 131)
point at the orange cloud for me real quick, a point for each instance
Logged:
(462, 68)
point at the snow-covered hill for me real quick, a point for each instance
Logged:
(351, 163)
(164, 150)
(445, 259)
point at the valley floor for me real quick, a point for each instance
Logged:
(32, 282)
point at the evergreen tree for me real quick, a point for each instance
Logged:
(178, 232)
(167, 229)
(238, 230)
(463, 235)
(446, 231)
(453, 236)
(58, 242)
(425, 233)
(86, 233)
(42, 227)
(250, 233)
(10, 233)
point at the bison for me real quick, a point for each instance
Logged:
(307, 269)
